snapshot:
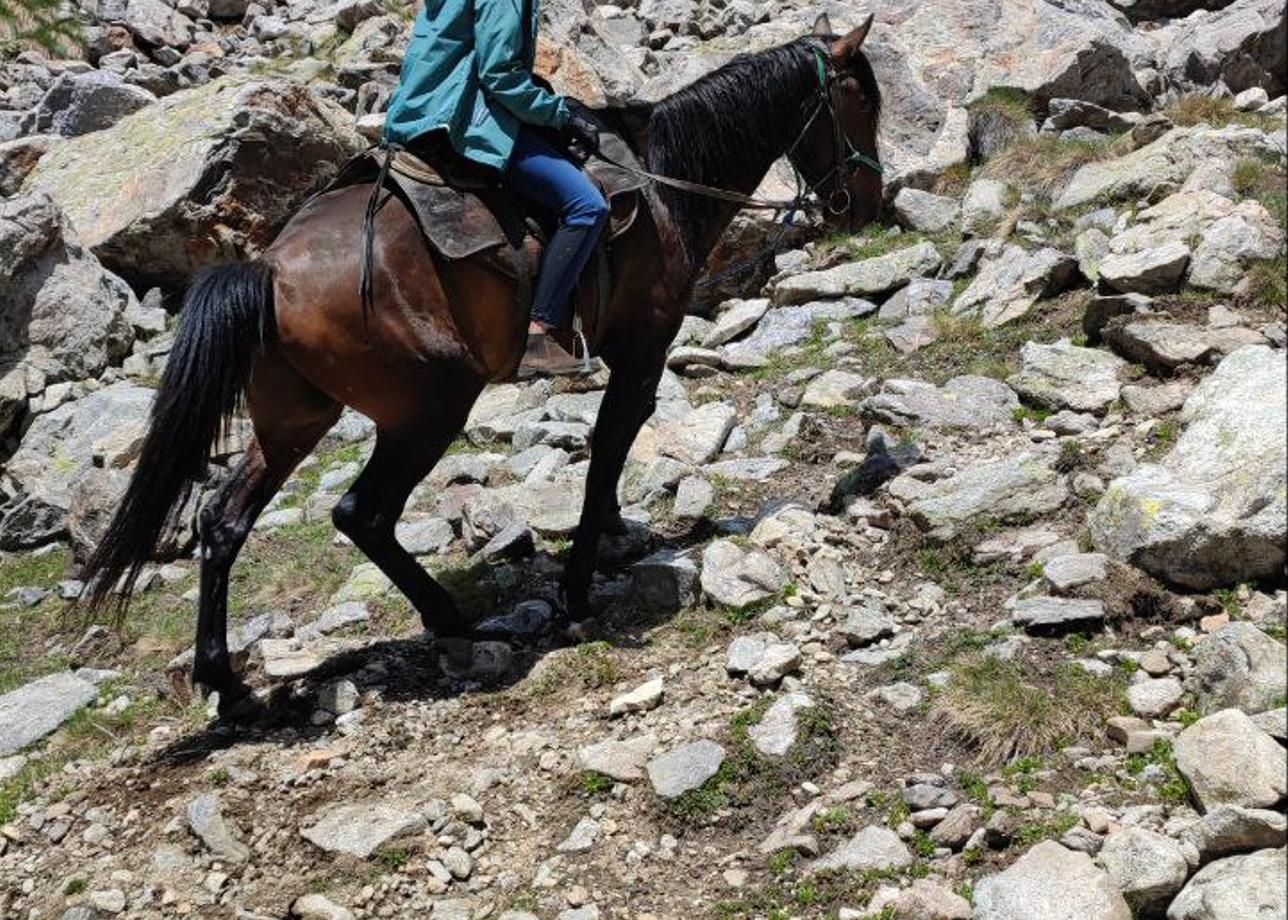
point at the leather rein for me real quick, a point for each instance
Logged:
(848, 158)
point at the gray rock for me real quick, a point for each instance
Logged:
(360, 828)
(78, 103)
(206, 819)
(1238, 888)
(192, 191)
(920, 297)
(740, 316)
(1240, 46)
(922, 211)
(1160, 346)
(1230, 829)
(872, 849)
(621, 760)
(1054, 614)
(684, 768)
(1154, 698)
(738, 578)
(643, 698)
(920, 796)
(698, 437)
(762, 657)
(425, 537)
(983, 206)
(1053, 883)
(778, 728)
(1211, 512)
(1232, 244)
(1227, 760)
(1148, 868)
(1238, 666)
(1066, 376)
(833, 389)
(1012, 281)
(865, 278)
(666, 580)
(749, 469)
(957, 827)
(979, 403)
(34, 710)
(319, 907)
(1065, 573)
(1019, 485)
(866, 624)
(790, 325)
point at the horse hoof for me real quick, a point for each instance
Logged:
(578, 631)
(457, 652)
(245, 707)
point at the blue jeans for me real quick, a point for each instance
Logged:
(541, 172)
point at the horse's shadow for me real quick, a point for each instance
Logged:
(413, 668)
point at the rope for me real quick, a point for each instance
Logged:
(365, 273)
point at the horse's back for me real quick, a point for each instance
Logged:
(430, 324)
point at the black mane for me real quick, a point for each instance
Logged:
(727, 128)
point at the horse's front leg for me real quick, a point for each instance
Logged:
(628, 402)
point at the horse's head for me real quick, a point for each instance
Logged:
(836, 152)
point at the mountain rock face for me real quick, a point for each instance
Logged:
(949, 575)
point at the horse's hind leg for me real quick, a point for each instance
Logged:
(369, 511)
(290, 418)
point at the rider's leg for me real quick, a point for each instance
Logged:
(541, 172)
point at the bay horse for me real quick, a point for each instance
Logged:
(286, 335)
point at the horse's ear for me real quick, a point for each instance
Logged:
(823, 25)
(847, 46)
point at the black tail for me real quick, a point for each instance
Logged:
(226, 313)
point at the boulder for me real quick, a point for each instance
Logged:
(698, 437)
(360, 828)
(983, 206)
(620, 760)
(1230, 829)
(1053, 883)
(666, 580)
(206, 819)
(1160, 346)
(737, 577)
(863, 278)
(1021, 485)
(1230, 245)
(1228, 760)
(1238, 888)
(34, 710)
(1160, 165)
(685, 768)
(1010, 282)
(1151, 271)
(55, 452)
(778, 728)
(785, 326)
(1238, 666)
(1067, 376)
(874, 848)
(62, 317)
(78, 103)
(1212, 511)
(207, 175)
(924, 212)
(1241, 46)
(1148, 868)
(978, 403)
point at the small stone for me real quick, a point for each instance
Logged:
(685, 767)
(643, 698)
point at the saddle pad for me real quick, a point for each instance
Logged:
(459, 222)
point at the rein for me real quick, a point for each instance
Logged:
(846, 154)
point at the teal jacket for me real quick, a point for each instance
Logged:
(469, 69)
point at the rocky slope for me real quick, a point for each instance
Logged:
(954, 582)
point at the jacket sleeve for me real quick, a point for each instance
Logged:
(499, 33)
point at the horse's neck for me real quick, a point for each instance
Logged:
(703, 228)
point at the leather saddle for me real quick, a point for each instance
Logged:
(465, 210)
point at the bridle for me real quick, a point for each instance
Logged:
(848, 158)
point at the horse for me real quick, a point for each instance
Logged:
(285, 337)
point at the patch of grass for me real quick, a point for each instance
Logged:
(1006, 711)
(1215, 111)
(1013, 103)
(589, 666)
(1021, 771)
(393, 858)
(74, 886)
(1041, 164)
(922, 845)
(1173, 789)
(1267, 281)
(1034, 832)
(746, 780)
(1070, 456)
(1030, 414)
(835, 820)
(592, 782)
(1162, 438)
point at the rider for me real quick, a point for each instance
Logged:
(468, 74)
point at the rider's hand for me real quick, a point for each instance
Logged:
(582, 134)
